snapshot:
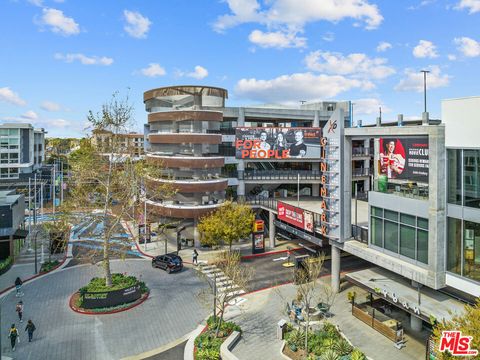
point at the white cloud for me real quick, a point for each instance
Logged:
(383, 46)
(421, 4)
(452, 57)
(85, 60)
(368, 106)
(358, 65)
(472, 6)
(137, 24)
(59, 23)
(425, 49)
(328, 36)
(413, 80)
(11, 97)
(295, 87)
(294, 14)
(29, 115)
(276, 39)
(468, 47)
(50, 106)
(38, 3)
(153, 70)
(199, 73)
(60, 123)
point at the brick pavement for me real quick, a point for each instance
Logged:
(172, 310)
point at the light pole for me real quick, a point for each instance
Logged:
(425, 72)
(298, 189)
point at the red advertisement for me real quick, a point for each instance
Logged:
(295, 216)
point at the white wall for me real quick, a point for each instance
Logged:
(462, 122)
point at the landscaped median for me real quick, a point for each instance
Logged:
(207, 344)
(326, 343)
(96, 298)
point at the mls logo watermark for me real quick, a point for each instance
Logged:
(456, 344)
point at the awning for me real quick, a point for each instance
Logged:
(20, 234)
(398, 291)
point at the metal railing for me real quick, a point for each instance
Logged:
(282, 175)
(361, 172)
(360, 233)
(361, 152)
(408, 189)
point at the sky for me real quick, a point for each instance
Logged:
(61, 58)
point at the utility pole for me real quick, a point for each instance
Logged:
(298, 189)
(425, 72)
(61, 182)
(53, 183)
(35, 201)
(29, 210)
(145, 216)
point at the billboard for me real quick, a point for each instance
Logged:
(277, 143)
(404, 158)
(295, 216)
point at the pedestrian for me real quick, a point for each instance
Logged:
(195, 257)
(30, 328)
(19, 310)
(13, 335)
(18, 286)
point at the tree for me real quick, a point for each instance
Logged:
(110, 179)
(468, 323)
(231, 222)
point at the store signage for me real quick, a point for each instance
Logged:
(404, 303)
(404, 158)
(295, 216)
(277, 143)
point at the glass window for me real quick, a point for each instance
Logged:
(13, 132)
(407, 241)
(471, 178)
(3, 132)
(454, 245)
(454, 176)
(471, 250)
(377, 211)
(391, 215)
(391, 236)
(422, 246)
(407, 219)
(377, 232)
(422, 223)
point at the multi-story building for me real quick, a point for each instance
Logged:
(12, 215)
(131, 143)
(22, 150)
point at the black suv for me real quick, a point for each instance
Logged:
(168, 262)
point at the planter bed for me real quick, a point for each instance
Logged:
(207, 346)
(75, 298)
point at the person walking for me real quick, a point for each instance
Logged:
(195, 257)
(18, 286)
(13, 335)
(19, 310)
(30, 328)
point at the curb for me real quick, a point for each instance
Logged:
(37, 275)
(189, 351)
(87, 312)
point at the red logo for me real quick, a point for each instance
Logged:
(456, 344)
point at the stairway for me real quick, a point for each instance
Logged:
(225, 286)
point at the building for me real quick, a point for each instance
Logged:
(131, 143)
(12, 215)
(22, 151)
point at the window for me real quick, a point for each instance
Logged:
(454, 245)
(391, 236)
(407, 219)
(377, 232)
(471, 250)
(471, 178)
(407, 241)
(422, 223)
(422, 246)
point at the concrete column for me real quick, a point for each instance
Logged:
(366, 165)
(241, 117)
(271, 229)
(196, 234)
(316, 119)
(425, 117)
(415, 323)
(241, 182)
(335, 269)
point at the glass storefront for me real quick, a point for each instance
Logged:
(463, 248)
(464, 177)
(399, 233)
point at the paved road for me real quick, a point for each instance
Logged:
(268, 272)
(172, 310)
(175, 353)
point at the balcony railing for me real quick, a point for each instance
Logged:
(361, 172)
(282, 175)
(360, 233)
(407, 189)
(229, 131)
(361, 152)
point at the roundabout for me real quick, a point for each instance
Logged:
(171, 310)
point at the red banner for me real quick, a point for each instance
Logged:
(295, 216)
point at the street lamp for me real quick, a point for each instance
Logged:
(425, 72)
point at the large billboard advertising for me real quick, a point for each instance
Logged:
(295, 216)
(277, 143)
(404, 158)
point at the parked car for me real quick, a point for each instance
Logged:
(168, 262)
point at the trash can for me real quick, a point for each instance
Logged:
(281, 328)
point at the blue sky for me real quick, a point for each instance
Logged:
(61, 58)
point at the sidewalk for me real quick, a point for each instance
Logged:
(259, 315)
(157, 247)
(24, 266)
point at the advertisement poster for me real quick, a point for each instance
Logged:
(141, 233)
(404, 158)
(277, 143)
(258, 241)
(295, 216)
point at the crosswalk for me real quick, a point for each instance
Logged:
(225, 286)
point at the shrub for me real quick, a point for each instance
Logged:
(342, 347)
(330, 329)
(329, 355)
(119, 281)
(357, 355)
(297, 338)
(48, 265)
(208, 354)
(5, 265)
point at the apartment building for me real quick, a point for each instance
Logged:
(132, 143)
